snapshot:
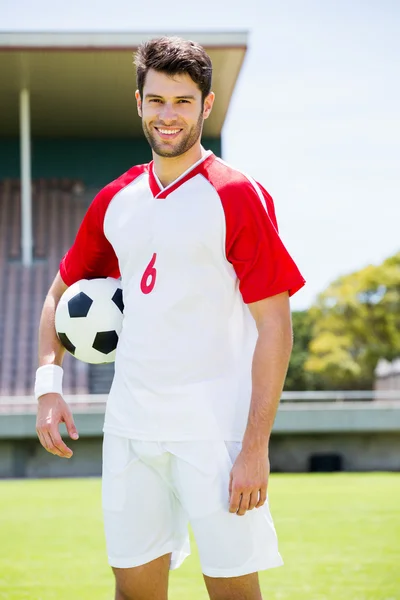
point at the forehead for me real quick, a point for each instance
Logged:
(162, 84)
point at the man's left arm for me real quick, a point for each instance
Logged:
(249, 475)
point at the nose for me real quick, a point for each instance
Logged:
(167, 113)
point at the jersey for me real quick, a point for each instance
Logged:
(191, 257)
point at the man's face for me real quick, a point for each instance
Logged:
(172, 112)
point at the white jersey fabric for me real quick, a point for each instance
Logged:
(191, 256)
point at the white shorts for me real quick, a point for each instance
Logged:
(153, 490)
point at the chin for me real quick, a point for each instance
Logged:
(167, 152)
(171, 154)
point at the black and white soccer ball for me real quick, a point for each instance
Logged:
(89, 319)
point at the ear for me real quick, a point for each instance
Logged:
(139, 103)
(208, 104)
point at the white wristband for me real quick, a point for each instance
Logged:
(48, 380)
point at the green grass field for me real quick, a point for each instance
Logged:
(339, 536)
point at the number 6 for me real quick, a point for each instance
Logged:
(150, 273)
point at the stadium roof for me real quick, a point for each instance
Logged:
(83, 84)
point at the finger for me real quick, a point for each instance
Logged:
(253, 499)
(263, 497)
(70, 425)
(230, 486)
(59, 447)
(244, 504)
(235, 501)
(41, 439)
(47, 442)
(53, 443)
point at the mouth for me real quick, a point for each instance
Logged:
(168, 134)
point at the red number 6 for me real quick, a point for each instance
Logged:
(149, 277)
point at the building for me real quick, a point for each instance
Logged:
(68, 126)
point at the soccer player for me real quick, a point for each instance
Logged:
(203, 351)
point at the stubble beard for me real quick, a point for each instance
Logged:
(183, 146)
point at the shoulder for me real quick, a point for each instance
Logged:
(107, 193)
(223, 176)
(237, 190)
(100, 203)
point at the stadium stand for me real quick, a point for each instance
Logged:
(57, 132)
(58, 211)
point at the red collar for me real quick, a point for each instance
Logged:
(161, 193)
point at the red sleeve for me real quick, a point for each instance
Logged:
(92, 255)
(262, 264)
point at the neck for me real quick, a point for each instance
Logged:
(169, 169)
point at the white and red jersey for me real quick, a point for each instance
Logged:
(191, 256)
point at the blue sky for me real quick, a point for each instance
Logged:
(315, 116)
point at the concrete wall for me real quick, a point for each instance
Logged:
(362, 436)
(288, 454)
(27, 458)
(355, 451)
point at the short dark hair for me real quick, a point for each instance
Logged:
(173, 55)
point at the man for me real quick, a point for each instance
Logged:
(203, 352)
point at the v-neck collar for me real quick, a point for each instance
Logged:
(161, 192)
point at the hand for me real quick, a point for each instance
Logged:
(249, 481)
(53, 410)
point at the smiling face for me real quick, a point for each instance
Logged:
(172, 112)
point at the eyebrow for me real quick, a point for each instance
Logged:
(176, 97)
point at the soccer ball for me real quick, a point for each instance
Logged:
(89, 319)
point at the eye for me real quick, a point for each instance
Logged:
(183, 101)
(155, 100)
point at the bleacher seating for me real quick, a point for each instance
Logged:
(57, 211)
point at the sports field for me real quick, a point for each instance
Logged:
(339, 536)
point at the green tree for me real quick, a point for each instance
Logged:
(356, 321)
(297, 378)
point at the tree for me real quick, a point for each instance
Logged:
(297, 378)
(356, 322)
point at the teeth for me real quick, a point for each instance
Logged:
(168, 131)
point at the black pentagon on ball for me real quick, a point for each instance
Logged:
(105, 341)
(79, 305)
(66, 342)
(117, 299)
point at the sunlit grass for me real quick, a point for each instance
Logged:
(339, 536)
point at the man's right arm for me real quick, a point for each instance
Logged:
(51, 351)
(52, 409)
